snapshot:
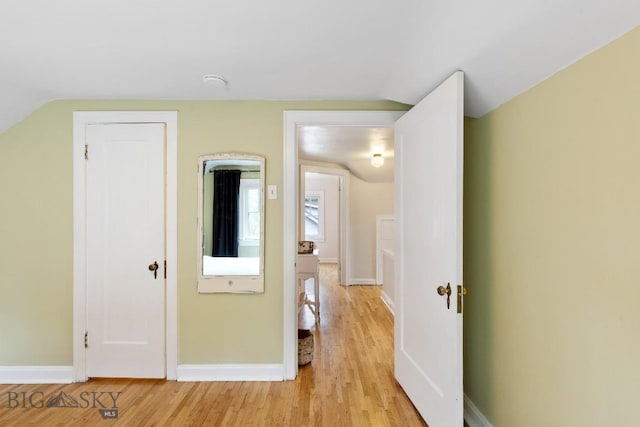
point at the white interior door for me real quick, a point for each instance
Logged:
(125, 236)
(428, 211)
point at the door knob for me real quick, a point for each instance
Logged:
(154, 267)
(442, 291)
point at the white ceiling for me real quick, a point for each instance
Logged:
(292, 49)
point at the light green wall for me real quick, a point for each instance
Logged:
(552, 226)
(35, 242)
(36, 231)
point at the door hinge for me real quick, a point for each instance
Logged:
(86, 151)
(462, 291)
(86, 339)
(165, 268)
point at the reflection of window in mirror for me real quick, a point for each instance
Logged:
(250, 212)
(314, 215)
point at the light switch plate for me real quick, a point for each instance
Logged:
(272, 191)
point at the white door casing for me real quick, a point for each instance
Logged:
(125, 237)
(81, 123)
(343, 211)
(428, 212)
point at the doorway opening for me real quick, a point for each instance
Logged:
(324, 213)
(294, 122)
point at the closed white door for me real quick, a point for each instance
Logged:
(125, 176)
(428, 212)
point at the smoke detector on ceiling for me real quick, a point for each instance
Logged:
(213, 80)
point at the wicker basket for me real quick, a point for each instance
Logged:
(305, 346)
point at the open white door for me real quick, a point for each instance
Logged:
(428, 211)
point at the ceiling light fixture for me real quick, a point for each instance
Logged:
(213, 80)
(377, 160)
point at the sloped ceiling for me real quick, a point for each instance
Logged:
(292, 49)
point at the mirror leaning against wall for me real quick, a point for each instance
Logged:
(231, 223)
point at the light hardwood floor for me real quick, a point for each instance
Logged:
(349, 382)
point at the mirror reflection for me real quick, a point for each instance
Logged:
(232, 216)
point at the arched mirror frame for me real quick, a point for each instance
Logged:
(229, 283)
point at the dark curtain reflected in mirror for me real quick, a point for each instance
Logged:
(225, 213)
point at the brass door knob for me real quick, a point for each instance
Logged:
(445, 291)
(441, 289)
(154, 267)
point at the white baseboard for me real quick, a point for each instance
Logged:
(36, 374)
(328, 260)
(361, 281)
(473, 416)
(266, 372)
(387, 301)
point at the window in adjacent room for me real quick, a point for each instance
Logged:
(314, 215)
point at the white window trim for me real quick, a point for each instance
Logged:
(320, 195)
(247, 184)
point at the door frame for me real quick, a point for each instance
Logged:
(343, 215)
(80, 121)
(292, 120)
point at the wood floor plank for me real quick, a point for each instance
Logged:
(350, 382)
